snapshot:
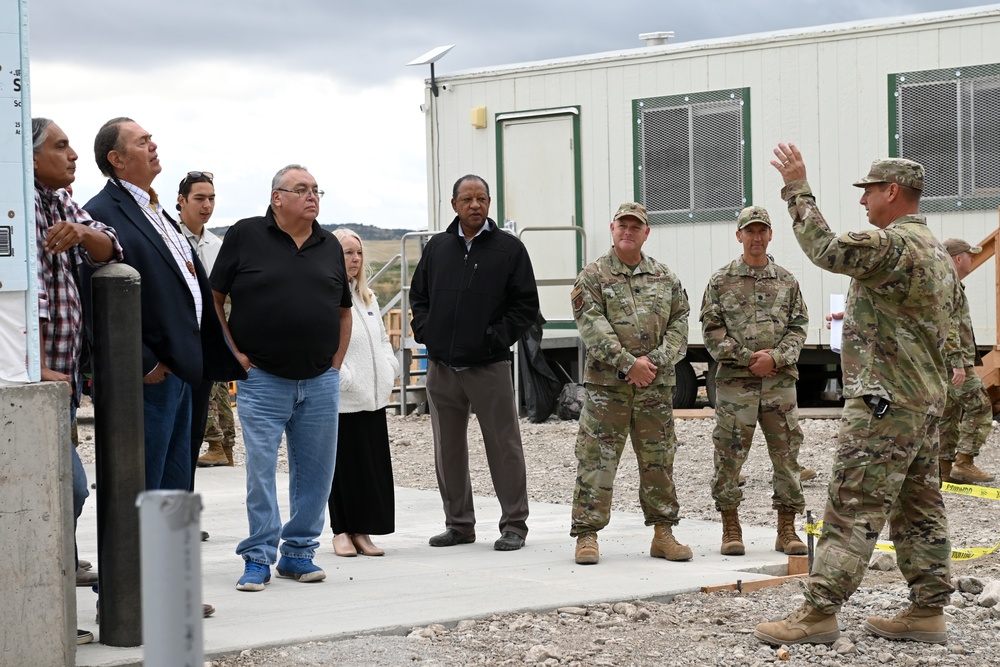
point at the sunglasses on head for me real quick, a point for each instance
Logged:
(195, 175)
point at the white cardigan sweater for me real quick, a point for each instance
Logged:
(370, 368)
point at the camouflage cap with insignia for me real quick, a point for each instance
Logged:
(752, 214)
(634, 209)
(958, 246)
(895, 170)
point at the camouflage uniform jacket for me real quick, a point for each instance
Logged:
(961, 350)
(747, 309)
(624, 314)
(903, 293)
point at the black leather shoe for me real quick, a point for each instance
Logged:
(204, 536)
(450, 538)
(509, 542)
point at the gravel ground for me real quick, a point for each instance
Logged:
(692, 629)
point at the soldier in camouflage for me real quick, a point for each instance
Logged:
(900, 304)
(632, 314)
(968, 413)
(754, 323)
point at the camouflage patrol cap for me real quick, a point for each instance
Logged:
(958, 246)
(752, 214)
(895, 170)
(634, 209)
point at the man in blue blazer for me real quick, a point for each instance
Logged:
(182, 339)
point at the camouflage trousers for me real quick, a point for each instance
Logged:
(220, 427)
(610, 413)
(886, 469)
(740, 403)
(968, 418)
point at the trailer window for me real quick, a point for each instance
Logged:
(691, 155)
(949, 121)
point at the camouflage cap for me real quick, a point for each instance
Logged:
(958, 246)
(634, 209)
(895, 170)
(752, 214)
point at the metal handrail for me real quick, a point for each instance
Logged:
(546, 283)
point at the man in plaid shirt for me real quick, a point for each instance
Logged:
(66, 235)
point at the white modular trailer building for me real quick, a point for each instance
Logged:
(688, 129)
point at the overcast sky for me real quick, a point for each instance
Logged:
(243, 87)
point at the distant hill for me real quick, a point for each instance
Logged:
(366, 232)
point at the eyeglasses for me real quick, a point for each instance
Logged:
(195, 175)
(302, 192)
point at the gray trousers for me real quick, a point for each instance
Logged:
(489, 391)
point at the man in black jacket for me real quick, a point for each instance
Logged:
(473, 295)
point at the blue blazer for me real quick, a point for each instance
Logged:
(170, 331)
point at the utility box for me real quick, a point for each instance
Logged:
(19, 347)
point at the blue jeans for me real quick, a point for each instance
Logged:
(166, 411)
(80, 490)
(306, 412)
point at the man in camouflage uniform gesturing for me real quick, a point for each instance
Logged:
(754, 324)
(899, 310)
(632, 314)
(968, 413)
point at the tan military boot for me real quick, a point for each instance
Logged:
(228, 449)
(806, 474)
(965, 471)
(945, 469)
(919, 624)
(732, 534)
(215, 456)
(665, 546)
(805, 625)
(788, 542)
(587, 552)
(741, 480)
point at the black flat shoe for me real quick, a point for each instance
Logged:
(450, 538)
(509, 542)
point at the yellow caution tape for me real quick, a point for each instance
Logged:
(972, 490)
(970, 553)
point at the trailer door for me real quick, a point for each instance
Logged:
(539, 187)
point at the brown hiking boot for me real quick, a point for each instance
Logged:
(215, 456)
(732, 534)
(805, 625)
(919, 624)
(228, 449)
(587, 552)
(965, 471)
(788, 542)
(665, 546)
(944, 467)
(806, 474)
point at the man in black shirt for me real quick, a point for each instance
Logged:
(290, 323)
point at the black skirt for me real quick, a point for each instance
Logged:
(362, 498)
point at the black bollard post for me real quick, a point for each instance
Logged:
(119, 440)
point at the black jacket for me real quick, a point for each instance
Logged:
(170, 330)
(469, 307)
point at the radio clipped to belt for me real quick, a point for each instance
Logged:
(879, 406)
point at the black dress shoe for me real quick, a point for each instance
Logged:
(204, 536)
(450, 538)
(509, 542)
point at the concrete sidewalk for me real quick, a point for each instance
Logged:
(414, 584)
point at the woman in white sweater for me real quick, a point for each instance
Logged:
(362, 500)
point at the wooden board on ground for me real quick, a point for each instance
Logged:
(804, 413)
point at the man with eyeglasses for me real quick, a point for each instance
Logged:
(213, 415)
(182, 340)
(290, 323)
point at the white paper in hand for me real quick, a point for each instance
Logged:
(837, 304)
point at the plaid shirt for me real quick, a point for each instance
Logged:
(59, 307)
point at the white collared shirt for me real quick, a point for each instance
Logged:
(178, 246)
(468, 242)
